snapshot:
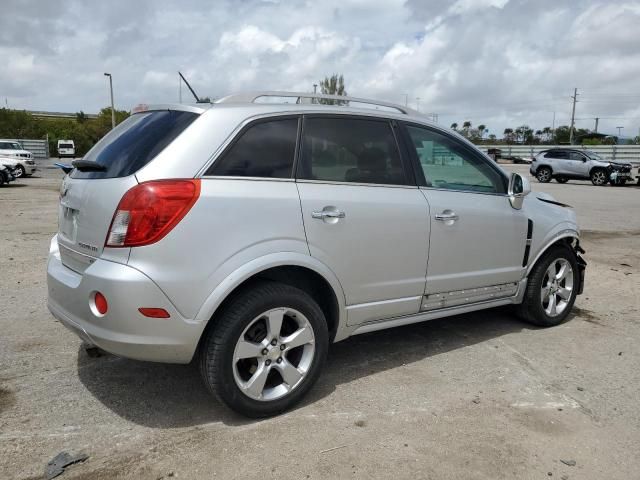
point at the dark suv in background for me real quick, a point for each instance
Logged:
(565, 164)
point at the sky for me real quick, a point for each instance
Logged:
(501, 63)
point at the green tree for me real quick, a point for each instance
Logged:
(333, 85)
(481, 129)
(508, 135)
(454, 126)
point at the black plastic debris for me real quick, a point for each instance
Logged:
(58, 463)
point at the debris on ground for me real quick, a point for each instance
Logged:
(58, 463)
(332, 449)
(580, 389)
(569, 463)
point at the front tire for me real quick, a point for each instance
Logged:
(266, 349)
(19, 171)
(544, 174)
(552, 288)
(599, 177)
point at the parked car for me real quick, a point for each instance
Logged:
(26, 164)
(6, 174)
(66, 148)
(565, 164)
(251, 234)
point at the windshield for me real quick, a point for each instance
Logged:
(135, 142)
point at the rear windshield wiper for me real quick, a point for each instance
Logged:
(88, 166)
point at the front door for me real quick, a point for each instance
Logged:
(362, 216)
(477, 239)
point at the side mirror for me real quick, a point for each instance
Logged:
(519, 188)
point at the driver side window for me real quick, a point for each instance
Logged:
(449, 165)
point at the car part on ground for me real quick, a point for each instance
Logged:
(210, 232)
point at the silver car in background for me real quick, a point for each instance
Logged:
(565, 164)
(251, 234)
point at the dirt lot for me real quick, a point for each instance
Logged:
(480, 396)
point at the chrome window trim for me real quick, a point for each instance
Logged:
(495, 194)
(335, 182)
(252, 179)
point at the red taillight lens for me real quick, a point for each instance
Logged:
(153, 312)
(100, 302)
(150, 210)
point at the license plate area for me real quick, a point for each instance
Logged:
(69, 223)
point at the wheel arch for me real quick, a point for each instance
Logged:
(564, 237)
(544, 165)
(298, 270)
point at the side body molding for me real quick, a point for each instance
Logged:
(263, 263)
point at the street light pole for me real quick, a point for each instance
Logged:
(619, 131)
(113, 111)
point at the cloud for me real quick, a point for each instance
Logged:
(497, 62)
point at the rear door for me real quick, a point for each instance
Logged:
(363, 214)
(89, 197)
(558, 159)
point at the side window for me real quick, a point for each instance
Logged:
(557, 154)
(576, 156)
(350, 150)
(265, 149)
(448, 164)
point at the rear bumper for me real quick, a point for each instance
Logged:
(122, 330)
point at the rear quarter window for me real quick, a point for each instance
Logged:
(135, 142)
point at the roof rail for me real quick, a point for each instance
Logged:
(251, 97)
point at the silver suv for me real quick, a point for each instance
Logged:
(252, 233)
(565, 164)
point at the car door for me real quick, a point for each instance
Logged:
(558, 159)
(364, 216)
(578, 164)
(477, 239)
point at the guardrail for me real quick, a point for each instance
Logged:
(618, 153)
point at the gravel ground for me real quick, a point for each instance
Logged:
(481, 396)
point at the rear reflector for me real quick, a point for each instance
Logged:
(154, 312)
(100, 302)
(150, 210)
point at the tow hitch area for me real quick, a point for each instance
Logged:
(582, 266)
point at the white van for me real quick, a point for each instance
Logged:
(66, 148)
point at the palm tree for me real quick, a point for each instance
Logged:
(508, 134)
(454, 126)
(481, 129)
(465, 128)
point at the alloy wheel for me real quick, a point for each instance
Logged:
(557, 287)
(599, 178)
(273, 354)
(544, 175)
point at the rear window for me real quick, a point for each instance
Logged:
(135, 142)
(65, 145)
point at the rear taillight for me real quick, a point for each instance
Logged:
(150, 210)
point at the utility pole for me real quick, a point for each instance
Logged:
(573, 115)
(619, 131)
(113, 111)
(595, 130)
(406, 99)
(418, 104)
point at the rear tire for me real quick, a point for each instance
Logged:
(544, 174)
(599, 177)
(552, 288)
(266, 349)
(562, 179)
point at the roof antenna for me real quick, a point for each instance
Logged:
(190, 89)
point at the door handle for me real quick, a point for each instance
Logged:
(328, 214)
(447, 216)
